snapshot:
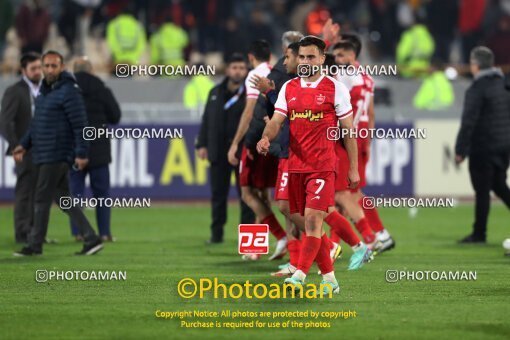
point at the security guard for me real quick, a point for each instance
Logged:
(126, 38)
(196, 91)
(436, 91)
(414, 51)
(167, 45)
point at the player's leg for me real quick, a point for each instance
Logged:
(384, 240)
(355, 212)
(293, 242)
(316, 192)
(341, 226)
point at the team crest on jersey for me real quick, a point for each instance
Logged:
(320, 99)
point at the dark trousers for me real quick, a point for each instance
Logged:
(488, 172)
(24, 198)
(220, 174)
(100, 186)
(52, 183)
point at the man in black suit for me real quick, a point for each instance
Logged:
(15, 116)
(219, 124)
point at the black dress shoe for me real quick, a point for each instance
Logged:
(471, 239)
(213, 241)
(27, 251)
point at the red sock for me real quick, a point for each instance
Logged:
(365, 230)
(373, 218)
(323, 259)
(294, 248)
(342, 227)
(333, 237)
(309, 249)
(274, 227)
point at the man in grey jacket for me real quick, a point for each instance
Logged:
(484, 137)
(15, 116)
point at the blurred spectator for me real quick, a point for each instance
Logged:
(197, 90)
(126, 38)
(259, 28)
(32, 25)
(234, 38)
(499, 42)
(102, 109)
(209, 15)
(168, 44)
(436, 91)
(383, 26)
(6, 19)
(317, 18)
(471, 13)
(442, 22)
(69, 22)
(415, 50)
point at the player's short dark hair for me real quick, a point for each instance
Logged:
(53, 52)
(344, 45)
(294, 47)
(260, 49)
(28, 58)
(236, 58)
(310, 40)
(329, 61)
(355, 40)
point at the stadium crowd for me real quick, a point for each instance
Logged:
(176, 32)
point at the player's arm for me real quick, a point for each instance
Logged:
(351, 145)
(244, 123)
(270, 132)
(371, 122)
(274, 125)
(343, 111)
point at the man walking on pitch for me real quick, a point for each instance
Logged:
(56, 139)
(313, 103)
(484, 137)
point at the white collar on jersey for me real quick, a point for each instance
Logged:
(311, 85)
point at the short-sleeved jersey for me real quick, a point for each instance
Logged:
(361, 89)
(262, 70)
(312, 108)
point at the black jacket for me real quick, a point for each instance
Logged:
(219, 126)
(485, 126)
(15, 114)
(56, 131)
(102, 109)
(265, 108)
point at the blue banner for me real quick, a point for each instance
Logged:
(168, 169)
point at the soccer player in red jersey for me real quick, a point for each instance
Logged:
(313, 103)
(361, 89)
(256, 173)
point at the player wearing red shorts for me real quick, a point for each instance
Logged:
(295, 223)
(313, 103)
(256, 173)
(361, 88)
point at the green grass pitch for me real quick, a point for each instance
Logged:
(159, 246)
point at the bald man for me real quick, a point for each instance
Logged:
(102, 109)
